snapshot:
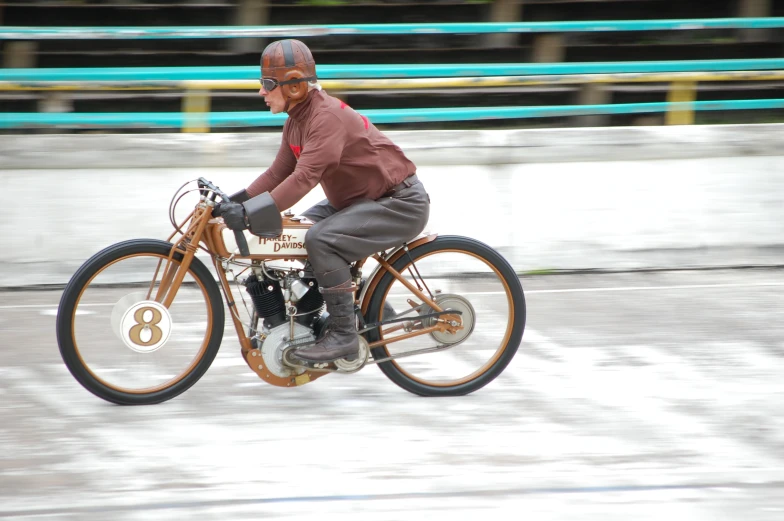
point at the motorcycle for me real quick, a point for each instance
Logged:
(141, 321)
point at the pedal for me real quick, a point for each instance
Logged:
(291, 361)
(301, 341)
(349, 364)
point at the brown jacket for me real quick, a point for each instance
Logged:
(325, 141)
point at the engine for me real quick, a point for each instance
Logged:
(275, 301)
(271, 301)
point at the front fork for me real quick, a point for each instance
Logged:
(245, 345)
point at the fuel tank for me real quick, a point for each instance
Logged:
(290, 244)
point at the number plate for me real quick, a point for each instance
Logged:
(145, 327)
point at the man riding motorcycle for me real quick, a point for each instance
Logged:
(374, 199)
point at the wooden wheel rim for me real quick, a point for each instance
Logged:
(147, 390)
(507, 334)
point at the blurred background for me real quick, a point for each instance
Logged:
(724, 51)
(625, 156)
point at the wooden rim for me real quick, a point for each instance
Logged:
(496, 355)
(197, 358)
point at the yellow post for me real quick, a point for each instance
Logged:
(681, 92)
(196, 106)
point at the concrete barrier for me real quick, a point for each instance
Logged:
(426, 148)
(549, 200)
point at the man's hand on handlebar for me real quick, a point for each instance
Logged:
(232, 212)
(233, 215)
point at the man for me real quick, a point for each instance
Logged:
(374, 199)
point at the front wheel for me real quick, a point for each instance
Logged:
(462, 275)
(121, 342)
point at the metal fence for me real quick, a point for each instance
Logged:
(196, 83)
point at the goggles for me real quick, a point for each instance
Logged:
(270, 84)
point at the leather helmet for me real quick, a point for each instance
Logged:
(291, 64)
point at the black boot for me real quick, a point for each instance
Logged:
(341, 339)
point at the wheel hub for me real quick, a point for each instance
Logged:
(143, 325)
(465, 321)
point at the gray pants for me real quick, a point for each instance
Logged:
(366, 227)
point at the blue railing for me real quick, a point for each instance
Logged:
(377, 116)
(682, 75)
(148, 74)
(157, 33)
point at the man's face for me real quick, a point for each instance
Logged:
(274, 99)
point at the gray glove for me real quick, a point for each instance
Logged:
(233, 215)
(263, 216)
(259, 214)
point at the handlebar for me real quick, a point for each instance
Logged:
(242, 242)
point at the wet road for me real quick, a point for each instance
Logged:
(633, 396)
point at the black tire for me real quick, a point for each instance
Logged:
(507, 346)
(91, 270)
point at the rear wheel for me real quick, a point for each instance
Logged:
(125, 346)
(462, 275)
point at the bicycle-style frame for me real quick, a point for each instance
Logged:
(205, 232)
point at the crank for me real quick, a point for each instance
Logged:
(341, 365)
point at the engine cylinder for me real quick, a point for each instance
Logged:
(267, 299)
(310, 304)
(312, 300)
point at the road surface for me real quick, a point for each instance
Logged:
(643, 396)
